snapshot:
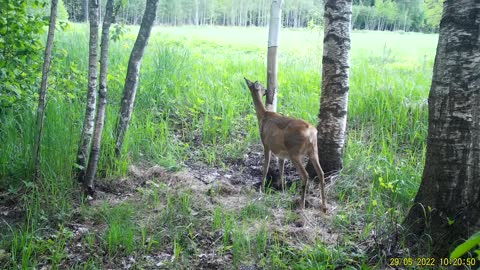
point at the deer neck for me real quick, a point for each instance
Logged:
(259, 107)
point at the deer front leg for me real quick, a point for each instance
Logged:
(281, 165)
(303, 173)
(266, 164)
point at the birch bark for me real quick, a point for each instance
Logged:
(332, 119)
(131, 81)
(272, 73)
(89, 121)
(447, 204)
(47, 59)
(102, 99)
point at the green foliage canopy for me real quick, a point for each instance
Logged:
(394, 15)
(62, 14)
(433, 13)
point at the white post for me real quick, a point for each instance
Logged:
(273, 42)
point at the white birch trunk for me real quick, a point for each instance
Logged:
(335, 84)
(272, 70)
(131, 81)
(89, 121)
(272, 65)
(43, 89)
(102, 101)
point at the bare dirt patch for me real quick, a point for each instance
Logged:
(11, 212)
(231, 188)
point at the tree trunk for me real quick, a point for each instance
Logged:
(239, 13)
(447, 204)
(272, 65)
(85, 10)
(257, 16)
(272, 79)
(102, 100)
(232, 16)
(266, 13)
(43, 89)
(405, 22)
(212, 13)
(332, 119)
(89, 121)
(131, 81)
(196, 12)
(295, 18)
(224, 16)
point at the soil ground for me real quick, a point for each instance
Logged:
(236, 185)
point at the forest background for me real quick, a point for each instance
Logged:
(390, 15)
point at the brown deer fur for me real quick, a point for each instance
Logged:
(287, 138)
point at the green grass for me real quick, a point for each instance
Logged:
(192, 103)
(303, 40)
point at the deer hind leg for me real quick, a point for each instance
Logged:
(303, 173)
(266, 164)
(281, 165)
(319, 171)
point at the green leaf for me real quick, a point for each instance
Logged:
(78, 166)
(471, 242)
(450, 221)
(478, 253)
(29, 184)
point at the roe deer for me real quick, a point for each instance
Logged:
(288, 138)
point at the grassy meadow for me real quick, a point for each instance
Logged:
(193, 107)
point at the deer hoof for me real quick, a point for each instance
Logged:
(299, 203)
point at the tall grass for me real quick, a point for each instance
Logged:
(192, 104)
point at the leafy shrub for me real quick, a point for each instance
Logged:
(20, 51)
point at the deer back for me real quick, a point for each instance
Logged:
(285, 136)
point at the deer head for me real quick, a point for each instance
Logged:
(256, 87)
